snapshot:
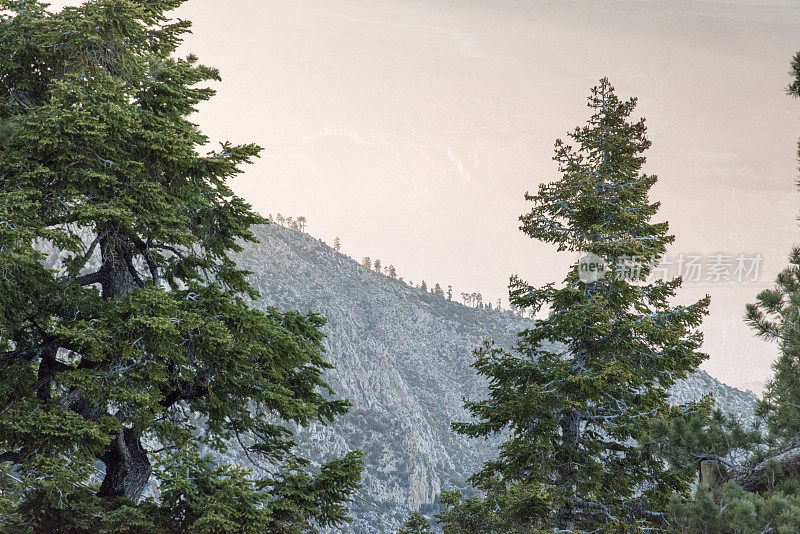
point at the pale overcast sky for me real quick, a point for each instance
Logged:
(412, 129)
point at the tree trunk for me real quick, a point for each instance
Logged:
(117, 253)
(570, 439)
(570, 431)
(46, 373)
(709, 474)
(127, 467)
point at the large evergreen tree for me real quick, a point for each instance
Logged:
(579, 394)
(136, 356)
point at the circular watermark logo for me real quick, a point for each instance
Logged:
(591, 268)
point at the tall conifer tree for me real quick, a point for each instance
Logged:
(138, 352)
(580, 391)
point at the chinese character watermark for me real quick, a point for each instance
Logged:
(691, 268)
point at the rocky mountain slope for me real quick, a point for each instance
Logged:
(402, 358)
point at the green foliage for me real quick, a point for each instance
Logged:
(581, 392)
(197, 495)
(696, 432)
(776, 316)
(203, 497)
(416, 524)
(794, 85)
(512, 507)
(139, 346)
(736, 511)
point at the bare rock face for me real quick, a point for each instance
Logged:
(402, 358)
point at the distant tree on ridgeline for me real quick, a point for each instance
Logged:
(424, 286)
(377, 265)
(437, 290)
(337, 245)
(299, 224)
(366, 263)
(449, 292)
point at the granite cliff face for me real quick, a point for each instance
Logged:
(402, 358)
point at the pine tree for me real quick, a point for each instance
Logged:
(734, 510)
(424, 286)
(582, 388)
(301, 223)
(366, 263)
(416, 524)
(762, 493)
(138, 350)
(392, 272)
(776, 317)
(449, 292)
(337, 245)
(377, 265)
(437, 290)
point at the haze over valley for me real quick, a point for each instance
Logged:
(411, 130)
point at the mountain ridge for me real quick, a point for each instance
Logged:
(402, 356)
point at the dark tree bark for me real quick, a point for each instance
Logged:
(48, 368)
(570, 430)
(571, 436)
(127, 467)
(117, 275)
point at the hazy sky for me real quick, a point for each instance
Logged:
(412, 129)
